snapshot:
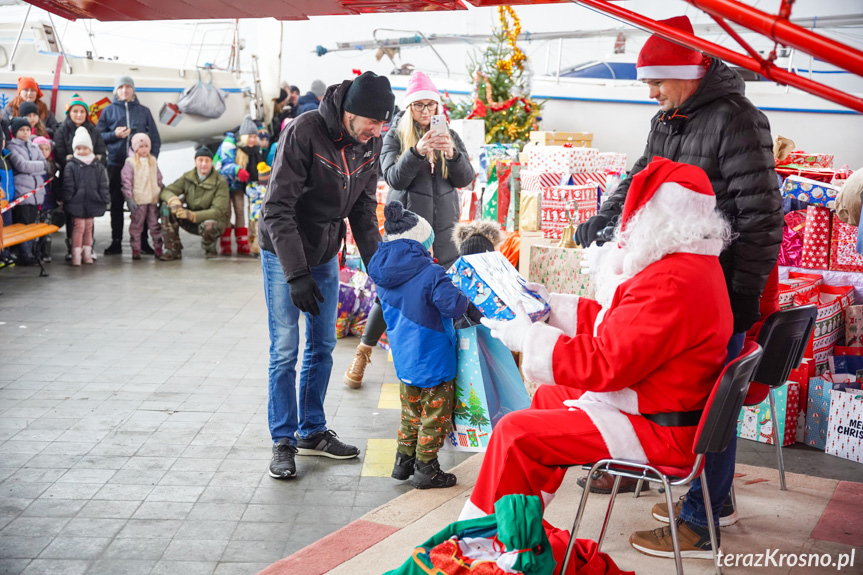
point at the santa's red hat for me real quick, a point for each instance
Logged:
(682, 188)
(661, 59)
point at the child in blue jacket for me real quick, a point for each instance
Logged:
(419, 303)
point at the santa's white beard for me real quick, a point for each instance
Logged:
(655, 231)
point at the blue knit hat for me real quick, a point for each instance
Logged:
(402, 224)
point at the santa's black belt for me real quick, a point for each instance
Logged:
(674, 418)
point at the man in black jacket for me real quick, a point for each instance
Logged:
(326, 170)
(705, 120)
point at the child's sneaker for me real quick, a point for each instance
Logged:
(404, 466)
(136, 254)
(430, 476)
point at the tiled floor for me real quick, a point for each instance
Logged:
(133, 431)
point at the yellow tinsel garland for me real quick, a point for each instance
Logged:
(517, 58)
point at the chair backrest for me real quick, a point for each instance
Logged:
(783, 338)
(719, 420)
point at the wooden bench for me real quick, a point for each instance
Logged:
(20, 233)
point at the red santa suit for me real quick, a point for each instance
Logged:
(658, 347)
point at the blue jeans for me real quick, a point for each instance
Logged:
(286, 415)
(718, 467)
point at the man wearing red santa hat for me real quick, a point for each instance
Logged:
(705, 120)
(625, 375)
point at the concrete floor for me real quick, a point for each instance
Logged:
(133, 433)
(133, 422)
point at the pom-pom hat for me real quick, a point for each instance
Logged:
(402, 224)
(420, 87)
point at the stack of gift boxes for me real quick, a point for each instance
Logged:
(814, 237)
(563, 183)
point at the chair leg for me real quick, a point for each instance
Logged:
(672, 525)
(711, 527)
(614, 489)
(638, 487)
(581, 507)
(777, 440)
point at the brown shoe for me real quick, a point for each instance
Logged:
(354, 374)
(170, 255)
(728, 516)
(603, 482)
(694, 541)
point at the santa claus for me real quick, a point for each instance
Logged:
(625, 375)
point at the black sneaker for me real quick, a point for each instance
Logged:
(430, 476)
(282, 465)
(404, 466)
(114, 249)
(146, 249)
(327, 444)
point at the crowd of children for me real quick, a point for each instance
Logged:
(60, 176)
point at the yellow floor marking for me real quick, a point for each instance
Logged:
(379, 457)
(390, 356)
(389, 398)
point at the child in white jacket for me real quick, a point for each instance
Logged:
(142, 184)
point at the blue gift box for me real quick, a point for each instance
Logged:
(810, 191)
(817, 412)
(495, 287)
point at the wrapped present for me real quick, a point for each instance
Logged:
(562, 159)
(469, 205)
(791, 251)
(544, 138)
(559, 270)
(514, 211)
(854, 326)
(796, 284)
(536, 181)
(490, 153)
(530, 213)
(346, 310)
(817, 174)
(96, 109)
(845, 426)
(817, 412)
(843, 247)
(816, 239)
(598, 179)
(612, 162)
(495, 287)
(801, 159)
(562, 203)
(170, 114)
(802, 374)
(755, 422)
(810, 191)
(829, 329)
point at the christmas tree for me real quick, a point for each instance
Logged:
(470, 408)
(501, 86)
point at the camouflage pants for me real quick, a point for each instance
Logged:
(209, 230)
(426, 419)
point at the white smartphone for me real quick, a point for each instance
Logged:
(438, 124)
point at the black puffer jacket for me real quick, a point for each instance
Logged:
(428, 195)
(719, 130)
(85, 189)
(63, 137)
(320, 177)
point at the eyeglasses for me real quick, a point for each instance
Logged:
(419, 106)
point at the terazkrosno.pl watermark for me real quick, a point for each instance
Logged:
(773, 558)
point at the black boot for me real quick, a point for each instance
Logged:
(429, 476)
(145, 244)
(116, 248)
(404, 466)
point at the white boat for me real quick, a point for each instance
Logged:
(38, 54)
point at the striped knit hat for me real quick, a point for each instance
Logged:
(77, 101)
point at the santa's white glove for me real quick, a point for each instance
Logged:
(511, 332)
(539, 290)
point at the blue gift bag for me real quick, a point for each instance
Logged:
(488, 386)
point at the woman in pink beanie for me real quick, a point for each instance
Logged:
(424, 171)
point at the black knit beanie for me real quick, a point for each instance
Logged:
(18, 123)
(27, 108)
(476, 244)
(204, 151)
(370, 96)
(283, 95)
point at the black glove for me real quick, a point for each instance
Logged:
(304, 293)
(745, 309)
(585, 233)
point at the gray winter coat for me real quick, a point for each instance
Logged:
(85, 188)
(30, 168)
(719, 130)
(426, 194)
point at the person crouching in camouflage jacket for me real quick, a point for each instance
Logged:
(196, 202)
